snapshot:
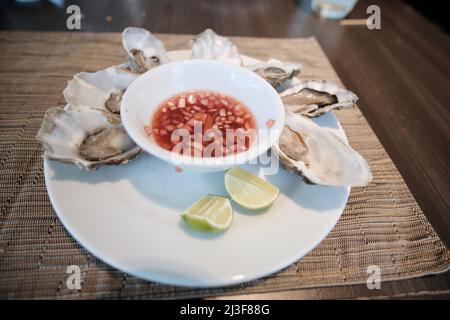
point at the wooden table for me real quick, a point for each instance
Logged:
(401, 74)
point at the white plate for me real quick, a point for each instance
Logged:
(129, 217)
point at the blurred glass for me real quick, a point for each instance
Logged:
(333, 9)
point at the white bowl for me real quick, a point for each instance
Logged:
(147, 92)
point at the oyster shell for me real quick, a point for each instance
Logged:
(209, 45)
(312, 98)
(86, 137)
(144, 50)
(275, 71)
(101, 90)
(319, 155)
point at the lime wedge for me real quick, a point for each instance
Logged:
(210, 213)
(248, 190)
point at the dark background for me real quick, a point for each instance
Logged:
(115, 15)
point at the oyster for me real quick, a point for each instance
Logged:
(100, 90)
(86, 137)
(319, 155)
(209, 45)
(312, 98)
(144, 50)
(275, 71)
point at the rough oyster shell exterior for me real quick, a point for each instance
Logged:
(100, 90)
(67, 134)
(144, 50)
(319, 155)
(209, 45)
(313, 98)
(275, 71)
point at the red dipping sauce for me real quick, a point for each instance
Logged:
(203, 124)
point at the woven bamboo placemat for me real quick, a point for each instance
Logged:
(382, 224)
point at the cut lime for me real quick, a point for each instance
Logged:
(248, 190)
(210, 213)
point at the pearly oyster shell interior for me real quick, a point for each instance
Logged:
(144, 50)
(86, 137)
(312, 98)
(319, 155)
(209, 45)
(101, 90)
(275, 71)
